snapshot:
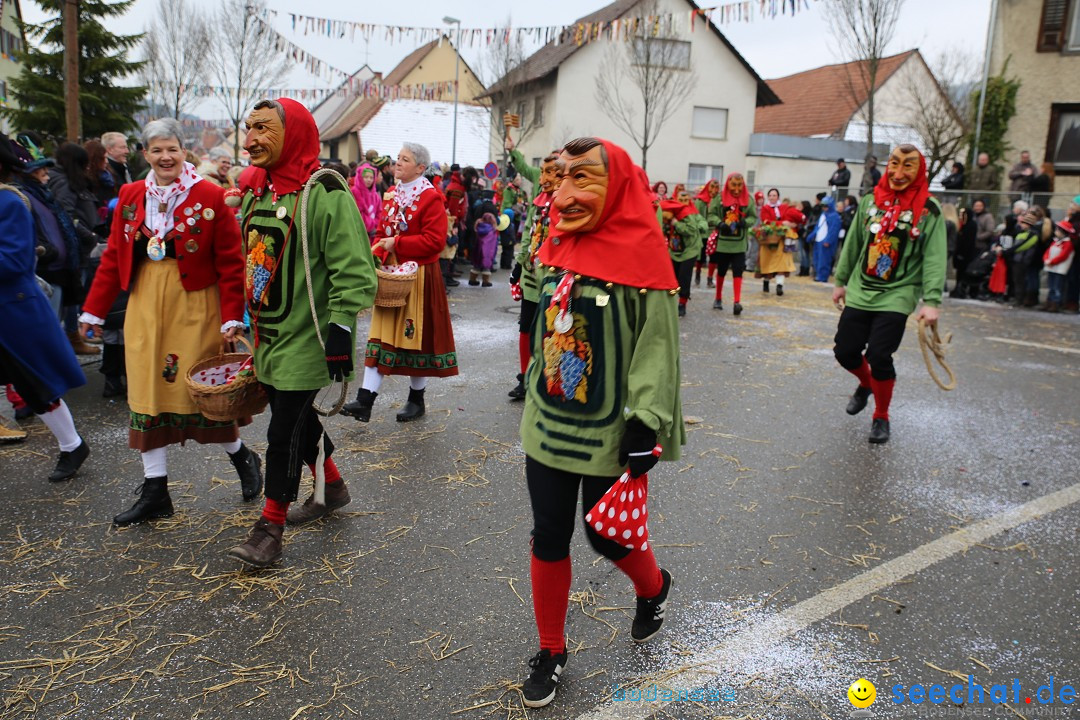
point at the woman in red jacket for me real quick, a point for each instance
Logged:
(416, 339)
(175, 247)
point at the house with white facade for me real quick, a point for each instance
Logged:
(707, 134)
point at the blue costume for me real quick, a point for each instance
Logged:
(35, 355)
(826, 237)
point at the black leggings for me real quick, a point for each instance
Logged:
(684, 272)
(879, 333)
(736, 262)
(528, 313)
(292, 441)
(553, 494)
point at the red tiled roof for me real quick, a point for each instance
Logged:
(821, 101)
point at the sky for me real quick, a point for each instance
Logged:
(773, 47)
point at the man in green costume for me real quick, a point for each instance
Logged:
(602, 390)
(293, 357)
(537, 224)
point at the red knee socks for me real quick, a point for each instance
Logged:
(683, 301)
(551, 597)
(274, 511)
(882, 397)
(863, 373)
(712, 269)
(524, 350)
(640, 566)
(736, 283)
(720, 286)
(330, 469)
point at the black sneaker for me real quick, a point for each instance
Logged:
(779, 290)
(737, 309)
(650, 612)
(539, 689)
(879, 431)
(69, 463)
(717, 304)
(857, 402)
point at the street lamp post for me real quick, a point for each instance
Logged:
(457, 68)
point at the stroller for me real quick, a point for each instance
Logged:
(974, 281)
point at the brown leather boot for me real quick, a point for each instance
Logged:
(80, 346)
(263, 546)
(337, 495)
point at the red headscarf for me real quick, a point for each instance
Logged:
(626, 246)
(299, 152)
(912, 198)
(726, 197)
(704, 195)
(680, 210)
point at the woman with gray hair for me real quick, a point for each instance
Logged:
(417, 339)
(217, 170)
(176, 248)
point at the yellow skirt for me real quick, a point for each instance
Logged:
(167, 330)
(772, 260)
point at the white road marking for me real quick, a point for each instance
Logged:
(703, 667)
(1025, 343)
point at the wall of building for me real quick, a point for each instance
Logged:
(795, 178)
(438, 66)
(721, 82)
(8, 67)
(1045, 78)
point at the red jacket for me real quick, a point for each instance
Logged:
(425, 236)
(207, 253)
(456, 197)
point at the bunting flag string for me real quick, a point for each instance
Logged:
(369, 88)
(578, 33)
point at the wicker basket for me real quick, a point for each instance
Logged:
(242, 397)
(393, 289)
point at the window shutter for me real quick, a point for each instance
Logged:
(1052, 26)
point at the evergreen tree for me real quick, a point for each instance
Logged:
(103, 62)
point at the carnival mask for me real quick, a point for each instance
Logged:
(903, 168)
(582, 192)
(265, 137)
(683, 197)
(735, 185)
(713, 188)
(549, 172)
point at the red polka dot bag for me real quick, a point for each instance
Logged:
(622, 514)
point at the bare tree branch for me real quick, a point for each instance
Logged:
(643, 80)
(940, 112)
(863, 30)
(245, 61)
(504, 65)
(176, 46)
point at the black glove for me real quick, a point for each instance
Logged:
(637, 439)
(339, 346)
(515, 274)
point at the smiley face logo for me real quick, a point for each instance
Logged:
(862, 693)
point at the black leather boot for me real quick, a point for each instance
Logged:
(858, 400)
(249, 468)
(69, 463)
(154, 502)
(361, 407)
(879, 431)
(518, 393)
(414, 408)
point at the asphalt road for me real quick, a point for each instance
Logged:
(803, 557)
